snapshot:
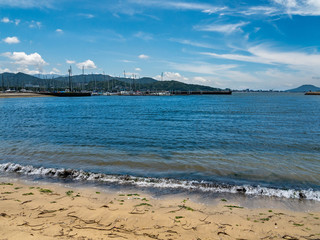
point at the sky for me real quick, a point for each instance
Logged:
(255, 44)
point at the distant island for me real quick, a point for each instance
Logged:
(305, 88)
(94, 82)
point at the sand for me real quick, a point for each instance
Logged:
(52, 211)
(20, 95)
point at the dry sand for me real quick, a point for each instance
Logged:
(55, 212)
(19, 95)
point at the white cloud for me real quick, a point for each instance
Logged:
(4, 70)
(59, 30)
(143, 36)
(88, 64)
(137, 69)
(260, 54)
(200, 79)
(11, 40)
(143, 56)
(23, 59)
(35, 24)
(299, 7)
(70, 62)
(172, 76)
(225, 28)
(287, 3)
(5, 20)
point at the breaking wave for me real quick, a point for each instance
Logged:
(204, 186)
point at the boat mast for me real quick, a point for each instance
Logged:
(70, 73)
(2, 83)
(83, 79)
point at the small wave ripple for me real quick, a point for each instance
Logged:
(204, 186)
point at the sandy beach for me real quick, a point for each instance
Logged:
(51, 211)
(21, 95)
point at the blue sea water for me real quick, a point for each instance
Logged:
(263, 142)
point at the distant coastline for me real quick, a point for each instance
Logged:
(21, 95)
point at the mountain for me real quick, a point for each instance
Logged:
(20, 80)
(178, 86)
(100, 77)
(304, 88)
(154, 86)
(46, 76)
(97, 82)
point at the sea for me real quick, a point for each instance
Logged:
(253, 144)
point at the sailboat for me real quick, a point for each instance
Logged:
(68, 92)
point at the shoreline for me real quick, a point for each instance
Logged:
(21, 95)
(207, 188)
(42, 210)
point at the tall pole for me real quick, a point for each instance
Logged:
(2, 83)
(109, 85)
(70, 84)
(83, 78)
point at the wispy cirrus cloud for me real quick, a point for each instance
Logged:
(202, 67)
(299, 7)
(27, 3)
(181, 5)
(233, 76)
(143, 36)
(86, 15)
(260, 10)
(193, 43)
(222, 28)
(264, 55)
(126, 61)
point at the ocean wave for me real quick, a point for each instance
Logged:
(204, 186)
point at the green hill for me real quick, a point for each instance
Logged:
(305, 88)
(97, 82)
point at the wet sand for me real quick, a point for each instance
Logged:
(20, 95)
(50, 211)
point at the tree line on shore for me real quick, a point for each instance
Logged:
(94, 82)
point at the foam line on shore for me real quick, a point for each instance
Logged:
(204, 186)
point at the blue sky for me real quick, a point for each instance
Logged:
(266, 44)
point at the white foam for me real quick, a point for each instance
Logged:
(80, 175)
